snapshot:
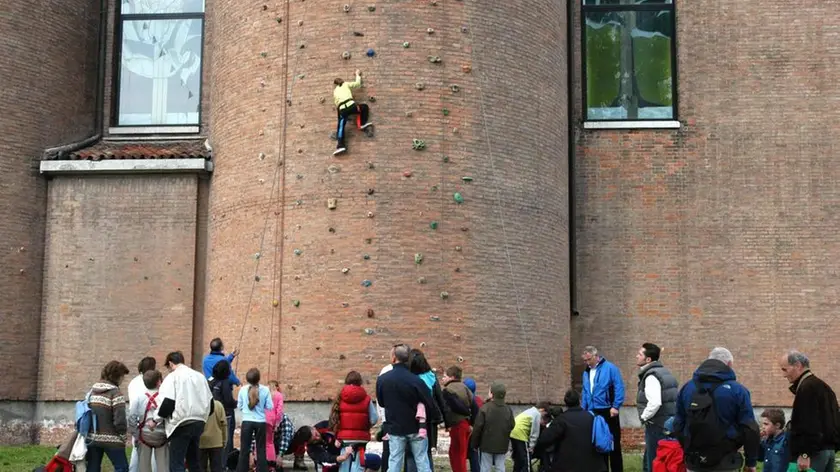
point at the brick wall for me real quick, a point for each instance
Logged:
(725, 231)
(118, 277)
(511, 230)
(48, 99)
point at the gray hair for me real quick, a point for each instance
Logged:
(722, 354)
(401, 353)
(591, 350)
(795, 357)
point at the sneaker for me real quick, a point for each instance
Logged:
(366, 125)
(339, 151)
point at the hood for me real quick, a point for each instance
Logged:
(498, 390)
(470, 383)
(429, 378)
(353, 394)
(102, 387)
(713, 370)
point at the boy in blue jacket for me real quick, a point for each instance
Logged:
(603, 394)
(774, 450)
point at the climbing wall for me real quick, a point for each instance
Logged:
(445, 227)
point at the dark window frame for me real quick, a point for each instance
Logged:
(120, 18)
(659, 6)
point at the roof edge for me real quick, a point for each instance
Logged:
(126, 166)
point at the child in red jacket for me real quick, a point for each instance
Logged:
(669, 453)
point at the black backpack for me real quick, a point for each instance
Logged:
(706, 444)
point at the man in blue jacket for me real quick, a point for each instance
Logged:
(735, 418)
(603, 394)
(217, 353)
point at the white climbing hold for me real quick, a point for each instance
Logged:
(346, 8)
(430, 31)
(332, 203)
(345, 270)
(455, 88)
(261, 156)
(370, 214)
(460, 359)
(345, 55)
(419, 86)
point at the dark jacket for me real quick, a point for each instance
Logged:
(813, 421)
(460, 395)
(491, 433)
(398, 392)
(733, 405)
(571, 436)
(223, 392)
(324, 451)
(670, 390)
(108, 405)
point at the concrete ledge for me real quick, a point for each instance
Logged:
(127, 166)
(651, 124)
(153, 130)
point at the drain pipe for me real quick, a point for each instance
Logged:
(571, 153)
(63, 150)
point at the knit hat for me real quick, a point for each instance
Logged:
(373, 461)
(498, 390)
(470, 383)
(669, 426)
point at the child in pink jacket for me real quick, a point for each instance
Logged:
(273, 418)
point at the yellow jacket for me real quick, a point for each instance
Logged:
(344, 92)
(215, 429)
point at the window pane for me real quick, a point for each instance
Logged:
(628, 65)
(137, 7)
(160, 72)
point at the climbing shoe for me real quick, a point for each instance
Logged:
(339, 151)
(366, 125)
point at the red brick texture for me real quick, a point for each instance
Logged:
(48, 87)
(723, 232)
(501, 256)
(118, 276)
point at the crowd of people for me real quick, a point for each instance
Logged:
(187, 420)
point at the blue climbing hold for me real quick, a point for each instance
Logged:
(371, 52)
(366, 283)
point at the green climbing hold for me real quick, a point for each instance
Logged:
(418, 258)
(433, 225)
(445, 112)
(366, 257)
(444, 295)
(458, 197)
(445, 158)
(406, 44)
(372, 8)
(298, 252)
(296, 302)
(264, 54)
(434, 188)
(418, 144)
(467, 178)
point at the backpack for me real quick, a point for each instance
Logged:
(85, 419)
(602, 438)
(151, 437)
(706, 444)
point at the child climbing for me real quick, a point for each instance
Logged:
(347, 106)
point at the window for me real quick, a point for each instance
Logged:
(159, 80)
(629, 60)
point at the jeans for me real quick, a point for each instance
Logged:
(475, 460)
(616, 459)
(519, 454)
(459, 445)
(492, 462)
(823, 461)
(183, 446)
(231, 425)
(252, 431)
(115, 454)
(653, 434)
(215, 457)
(343, 115)
(419, 450)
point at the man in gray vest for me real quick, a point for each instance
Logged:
(656, 400)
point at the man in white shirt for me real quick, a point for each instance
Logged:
(136, 389)
(656, 399)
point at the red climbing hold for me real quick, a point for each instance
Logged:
(407, 174)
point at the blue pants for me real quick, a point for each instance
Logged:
(343, 116)
(419, 449)
(653, 434)
(115, 454)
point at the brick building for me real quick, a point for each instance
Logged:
(630, 171)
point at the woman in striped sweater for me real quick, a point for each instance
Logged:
(108, 405)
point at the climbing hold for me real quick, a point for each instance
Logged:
(321, 99)
(257, 256)
(371, 191)
(458, 197)
(444, 295)
(455, 88)
(460, 359)
(332, 251)
(464, 228)
(467, 178)
(333, 135)
(433, 225)
(458, 248)
(300, 150)
(369, 240)
(345, 55)
(265, 7)
(371, 165)
(297, 277)
(264, 54)
(434, 3)
(334, 169)
(418, 144)
(457, 269)
(299, 176)
(298, 252)
(418, 258)
(369, 331)
(434, 318)
(345, 304)
(465, 29)
(262, 181)
(459, 319)
(371, 52)
(346, 8)
(278, 19)
(456, 336)
(456, 130)
(345, 270)
(423, 344)
(407, 174)
(261, 156)
(300, 22)
(430, 30)
(421, 280)
(275, 302)
(257, 278)
(366, 283)
(435, 59)
(445, 158)
(409, 114)
(262, 133)
(366, 257)
(296, 302)
(370, 313)
(445, 112)
(341, 357)
(332, 203)
(370, 214)
(372, 8)
(466, 68)
(302, 45)
(301, 76)
(372, 98)
(419, 85)
(406, 44)
(434, 188)
(358, 34)
(331, 230)
(299, 202)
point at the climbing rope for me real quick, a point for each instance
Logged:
(500, 204)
